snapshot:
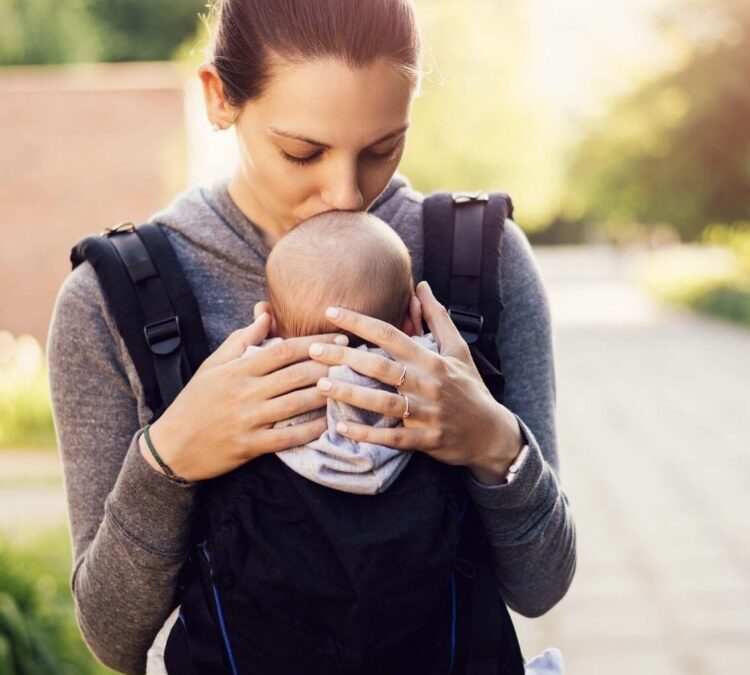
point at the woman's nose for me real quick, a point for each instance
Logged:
(342, 193)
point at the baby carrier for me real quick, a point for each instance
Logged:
(285, 576)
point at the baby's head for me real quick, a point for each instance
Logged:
(344, 258)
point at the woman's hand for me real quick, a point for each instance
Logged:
(224, 415)
(453, 417)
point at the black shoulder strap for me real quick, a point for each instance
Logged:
(152, 304)
(463, 235)
(462, 244)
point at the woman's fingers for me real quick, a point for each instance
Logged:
(381, 333)
(290, 405)
(376, 400)
(238, 341)
(274, 440)
(398, 438)
(297, 376)
(366, 363)
(260, 308)
(284, 353)
(443, 329)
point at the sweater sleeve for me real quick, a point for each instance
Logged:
(528, 521)
(129, 524)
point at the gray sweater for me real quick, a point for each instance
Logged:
(130, 525)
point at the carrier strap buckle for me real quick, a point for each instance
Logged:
(121, 228)
(163, 336)
(470, 197)
(469, 324)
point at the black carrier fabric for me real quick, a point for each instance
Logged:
(285, 576)
(313, 580)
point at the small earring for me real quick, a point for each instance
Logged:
(215, 126)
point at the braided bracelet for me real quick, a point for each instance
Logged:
(164, 466)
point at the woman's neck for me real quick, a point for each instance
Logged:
(246, 202)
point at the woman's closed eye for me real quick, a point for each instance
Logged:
(368, 155)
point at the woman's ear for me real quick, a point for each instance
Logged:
(221, 114)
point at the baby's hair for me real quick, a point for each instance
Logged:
(350, 259)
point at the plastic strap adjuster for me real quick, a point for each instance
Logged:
(460, 198)
(468, 324)
(163, 337)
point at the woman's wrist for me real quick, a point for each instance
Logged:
(505, 442)
(159, 449)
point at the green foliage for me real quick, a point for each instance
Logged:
(736, 238)
(712, 278)
(46, 31)
(677, 150)
(144, 30)
(26, 652)
(726, 301)
(72, 31)
(38, 633)
(25, 409)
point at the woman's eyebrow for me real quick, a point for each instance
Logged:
(326, 146)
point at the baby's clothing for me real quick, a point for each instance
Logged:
(339, 462)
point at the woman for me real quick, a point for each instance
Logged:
(319, 93)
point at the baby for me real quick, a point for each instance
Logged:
(352, 260)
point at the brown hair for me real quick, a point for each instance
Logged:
(347, 258)
(249, 34)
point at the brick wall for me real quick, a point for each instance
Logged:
(80, 148)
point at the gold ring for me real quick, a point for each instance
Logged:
(403, 377)
(406, 412)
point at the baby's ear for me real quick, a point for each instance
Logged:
(412, 323)
(407, 327)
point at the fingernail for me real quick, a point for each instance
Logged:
(341, 340)
(316, 349)
(341, 427)
(324, 384)
(332, 313)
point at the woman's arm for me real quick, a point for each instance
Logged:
(129, 524)
(528, 522)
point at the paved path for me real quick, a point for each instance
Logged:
(654, 428)
(654, 431)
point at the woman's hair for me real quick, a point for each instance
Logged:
(249, 34)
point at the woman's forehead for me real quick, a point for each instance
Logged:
(327, 101)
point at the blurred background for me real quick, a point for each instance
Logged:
(622, 131)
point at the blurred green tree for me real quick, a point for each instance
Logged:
(144, 30)
(678, 149)
(73, 31)
(46, 31)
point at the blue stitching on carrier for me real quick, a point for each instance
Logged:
(224, 635)
(453, 620)
(220, 613)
